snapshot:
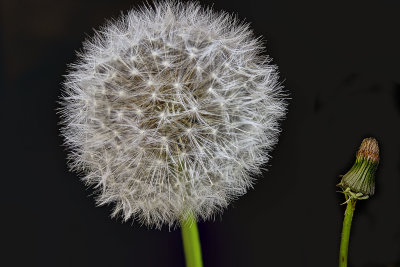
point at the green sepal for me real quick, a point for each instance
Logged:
(361, 177)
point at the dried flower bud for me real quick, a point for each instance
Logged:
(359, 181)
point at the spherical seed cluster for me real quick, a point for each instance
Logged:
(170, 110)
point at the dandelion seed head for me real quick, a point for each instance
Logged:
(187, 110)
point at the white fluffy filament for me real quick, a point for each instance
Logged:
(171, 109)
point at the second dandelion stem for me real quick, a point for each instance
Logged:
(344, 244)
(191, 242)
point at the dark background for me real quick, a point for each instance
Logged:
(340, 62)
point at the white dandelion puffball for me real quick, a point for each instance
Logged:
(171, 110)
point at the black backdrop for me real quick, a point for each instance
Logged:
(338, 61)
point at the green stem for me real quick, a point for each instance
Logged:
(344, 244)
(191, 242)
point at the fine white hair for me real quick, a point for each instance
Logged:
(171, 110)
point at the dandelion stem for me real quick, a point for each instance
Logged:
(344, 244)
(191, 242)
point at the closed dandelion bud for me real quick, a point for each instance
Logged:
(169, 111)
(359, 181)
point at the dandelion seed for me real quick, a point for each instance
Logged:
(204, 153)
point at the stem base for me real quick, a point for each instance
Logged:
(344, 243)
(191, 242)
